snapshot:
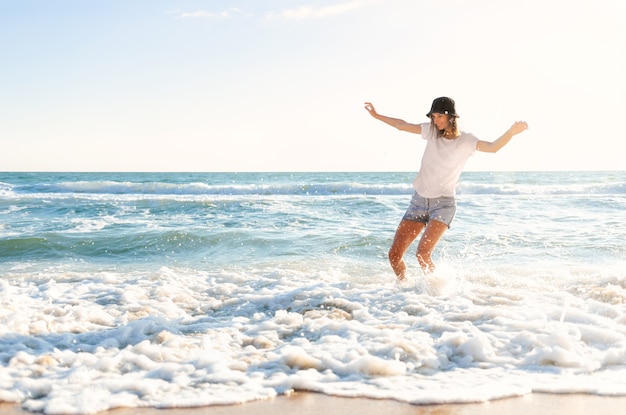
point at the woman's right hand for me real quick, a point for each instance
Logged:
(394, 122)
(370, 108)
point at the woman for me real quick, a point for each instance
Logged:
(433, 204)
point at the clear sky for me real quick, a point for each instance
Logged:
(273, 85)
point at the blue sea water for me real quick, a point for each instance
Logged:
(189, 289)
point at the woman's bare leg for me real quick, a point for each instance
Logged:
(433, 233)
(405, 235)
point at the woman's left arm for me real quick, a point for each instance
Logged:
(494, 146)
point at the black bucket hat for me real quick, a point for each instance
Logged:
(443, 105)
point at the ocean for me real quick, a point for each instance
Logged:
(190, 289)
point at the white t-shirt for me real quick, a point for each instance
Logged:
(442, 162)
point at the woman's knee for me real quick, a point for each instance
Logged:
(394, 254)
(424, 251)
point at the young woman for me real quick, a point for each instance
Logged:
(433, 204)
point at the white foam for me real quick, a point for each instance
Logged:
(183, 338)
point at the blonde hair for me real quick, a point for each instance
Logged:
(451, 132)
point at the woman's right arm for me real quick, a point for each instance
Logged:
(394, 122)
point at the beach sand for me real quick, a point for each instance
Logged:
(303, 403)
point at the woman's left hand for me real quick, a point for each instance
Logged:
(518, 127)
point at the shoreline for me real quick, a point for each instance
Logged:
(308, 403)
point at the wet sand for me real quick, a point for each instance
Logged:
(303, 403)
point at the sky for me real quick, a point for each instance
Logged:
(276, 85)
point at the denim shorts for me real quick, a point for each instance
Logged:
(423, 209)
